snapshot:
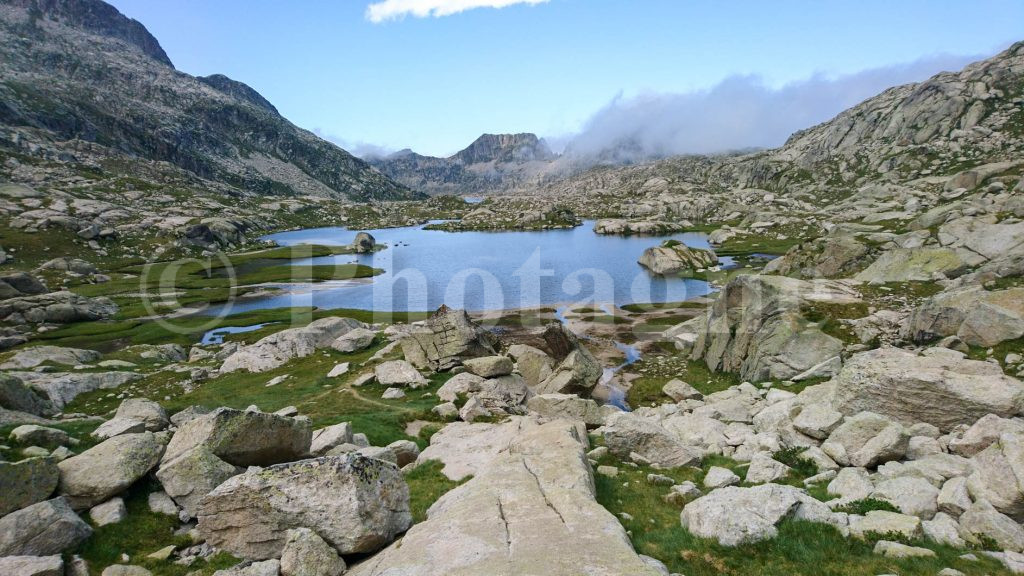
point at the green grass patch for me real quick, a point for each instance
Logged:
(605, 319)
(108, 335)
(141, 533)
(863, 506)
(792, 457)
(800, 549)
(641, 307)
(830, 318)
(80, 430)
(325, 400)
(646, 389)
(747, 245)
(426, 485)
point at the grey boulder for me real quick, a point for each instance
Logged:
(356, 504)
(42, 529)
(108, 468)
(26, 482)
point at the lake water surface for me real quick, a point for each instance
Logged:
(486, 270)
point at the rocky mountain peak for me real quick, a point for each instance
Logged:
(95, 17)
(505, 148)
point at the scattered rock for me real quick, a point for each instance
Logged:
(110, 512)
(866, 440)
(399, 373)
(734, 516)
(306, 554)
(489, 366)
(897, 550)
(32, 566)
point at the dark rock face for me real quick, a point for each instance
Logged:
(20, 284)
(364, 243)
(97, 17)
(505, 148)
(15, 395)
(560, 340)
(81, 71)
(239, 90)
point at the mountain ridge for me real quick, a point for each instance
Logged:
(87, 73)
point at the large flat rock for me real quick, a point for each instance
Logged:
(530, 510)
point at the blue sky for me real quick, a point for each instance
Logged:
(436, 83)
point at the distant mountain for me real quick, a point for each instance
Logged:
(492, 163)
(78, 71)
(505, 148)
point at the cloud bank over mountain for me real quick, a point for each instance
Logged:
(738, 113)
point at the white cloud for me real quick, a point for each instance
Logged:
(393, 9)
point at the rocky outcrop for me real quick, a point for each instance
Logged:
(356, 504)
(280, 347)
(518, 515)
(55, 308)
(978, 317)
(444, 340)
(622, 227)
(942, 390)
(912, 264)
(466, 449)
(833, 256)
(63, 387)
(673, 257)
(756, 328)
(364, 243)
